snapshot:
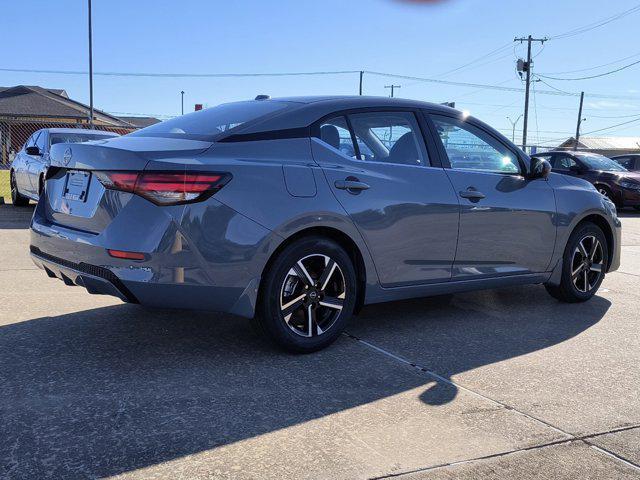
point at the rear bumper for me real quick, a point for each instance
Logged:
(200, 257)
(96, 280)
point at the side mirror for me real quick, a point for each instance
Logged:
(33, 151)
(540, 168)
(575, 169)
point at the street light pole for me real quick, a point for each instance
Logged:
(513, 125)
(90, 71)
(182, 101)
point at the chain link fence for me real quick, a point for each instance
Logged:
(15, 132)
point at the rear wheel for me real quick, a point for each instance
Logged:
(307, 295)
(583, 265)
(17, 199)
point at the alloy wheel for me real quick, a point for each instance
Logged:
(312, 295)
(587, 264)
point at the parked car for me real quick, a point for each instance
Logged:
(28, 169)
(631, 162)
(611, 179)
(254, 208)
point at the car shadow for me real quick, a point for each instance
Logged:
(15, 217)
(105, 391)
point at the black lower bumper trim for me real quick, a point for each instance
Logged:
(92, 270)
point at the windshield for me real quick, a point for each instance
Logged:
(77, 137)
(598, 162)
(207, 124)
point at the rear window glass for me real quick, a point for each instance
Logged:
(208, 124)
(76, 138)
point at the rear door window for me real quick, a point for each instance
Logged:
(335, 133)
(389, 137)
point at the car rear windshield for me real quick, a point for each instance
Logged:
(598, 162)
(210, 123)
(77, 137)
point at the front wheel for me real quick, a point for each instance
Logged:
(17, 199)
(583, 265)
(307, 295)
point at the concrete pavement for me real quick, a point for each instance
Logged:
(498, 384)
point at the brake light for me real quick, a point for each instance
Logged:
(166, 188)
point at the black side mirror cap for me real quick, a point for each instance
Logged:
(33, 151)
(540, 168)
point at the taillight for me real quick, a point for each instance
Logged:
(166, 188)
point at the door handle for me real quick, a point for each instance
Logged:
(472, 194)
(351, 184)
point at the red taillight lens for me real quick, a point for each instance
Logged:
(126, 255)
(166, 188)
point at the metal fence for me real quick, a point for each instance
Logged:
(15, 132)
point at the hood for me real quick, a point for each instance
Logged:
(620, 175)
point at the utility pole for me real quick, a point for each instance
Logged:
(182, 102)
(361, 77)
(575, 145)
(90, 71)
(392, 87)
(513, 125)
(527, 67)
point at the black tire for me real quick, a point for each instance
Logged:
(17, 199)
(585, 284)
(279, 285)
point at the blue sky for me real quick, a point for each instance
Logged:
(197, 36)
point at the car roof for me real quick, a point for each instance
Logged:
(79, 130)
(305, 110)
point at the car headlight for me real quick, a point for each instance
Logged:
(629, 185)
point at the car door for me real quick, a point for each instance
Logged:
(36, 163)
(506, 220)
(403, 205)
(21, 165)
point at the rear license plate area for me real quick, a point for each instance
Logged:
(76, 185)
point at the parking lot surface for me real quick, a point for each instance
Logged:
(497, 384)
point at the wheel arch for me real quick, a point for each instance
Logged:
(603, 224)
(342, 239)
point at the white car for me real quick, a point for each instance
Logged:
(30, 164)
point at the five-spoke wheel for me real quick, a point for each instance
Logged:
(308, 294)
(584, 265)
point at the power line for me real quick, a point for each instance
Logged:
(612, 126)
(492, 52)
(285, 74)
(594, 76)
(595, 67)
(596, 24)
(181, 75)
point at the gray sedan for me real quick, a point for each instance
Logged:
(29, 167)
(296, 212)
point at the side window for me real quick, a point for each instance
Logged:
(30, 141)
(470, 148)
(40, 141)
(564, 162)
(335, 132)
(390, 137)
(626, 162)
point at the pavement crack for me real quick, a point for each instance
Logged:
(614, 455)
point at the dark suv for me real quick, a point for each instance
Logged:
(610, 178)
